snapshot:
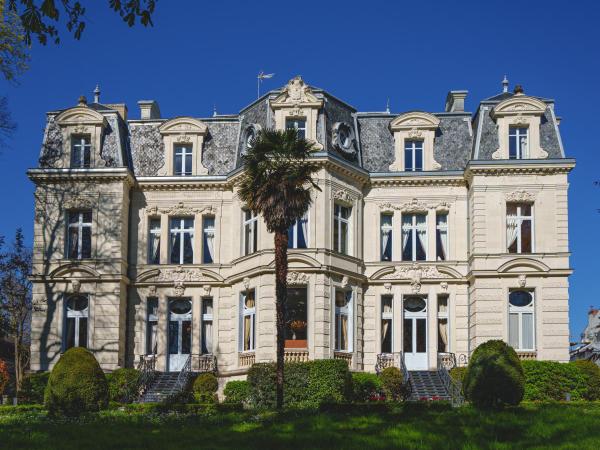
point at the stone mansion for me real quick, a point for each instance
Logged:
(432, 233)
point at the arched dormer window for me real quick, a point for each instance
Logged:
(184, 138)
(414, 133)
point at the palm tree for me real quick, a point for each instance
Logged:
(276, 184)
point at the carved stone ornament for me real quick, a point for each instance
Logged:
(180, 210)
(184, 138)
(81, 129)
(151, 290)
(444, 286)
(522, 280)
(296, 92)
(78, 202)
(387, 286)
(76, 286)
(415, 272)
(520, 120)
(179, 289)
(246, 282)
(207, 288)
(180, 275)
(415, 134)
(343, 196)
(295, 278)
(520, 196)
(345, 282)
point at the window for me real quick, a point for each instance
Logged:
(81, 150)
(518, 146)
(443, 329)
(387, 322)
(248, 317)
(298, 234)
(296, 124)
(250, 232)
(207, 325)
(441, 236)
(413, 156)
(151, 326)
(76, 326)
(79, 245)
(414, 237)
(343, 320)
(296, 322)
(386, 237)
(183, 160)
(519, 228)
(521, 334)
(208, 239)
(341, 223)
(182, 240)
(154, 242)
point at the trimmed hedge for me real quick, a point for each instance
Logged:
(76, 385)
(494, 377)
(32, 388)
(551, 380)
(236, 391)
(4, 376)
(458, 374)
(365, 386)
(262, 381)
(205, 388)
(329, 381)
(392, 383)
(592, 372)
(122, 385)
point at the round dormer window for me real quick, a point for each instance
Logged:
(343, 137)
(250, 135)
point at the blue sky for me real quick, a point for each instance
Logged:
(203, 53)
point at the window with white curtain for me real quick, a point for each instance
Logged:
(518, 146)
(250, 232)
(298, 233)
(208, 239)
(519, 220)
(441, 236)
(343, 320)
(182, 240)
(443, 324)
(521, 324)
(386, 237)
(79, 234)
(341, 225)
(298, 124)
(76, 323)
(413, 156)
(183, 160)
(154, 241)
(387, 324)
(414, 237)
(207, 325)
(81, 150)
(247, 321)
(151, 325)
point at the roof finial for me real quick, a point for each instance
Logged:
(519, 90)
(505, 84)
(215, 110)
(387, 106)
(82, 100)
(97, 94)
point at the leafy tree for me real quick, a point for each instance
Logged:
(7, 125)
(276, 184)
(13, 48)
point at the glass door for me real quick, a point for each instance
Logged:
(415, 333)
(180, 333)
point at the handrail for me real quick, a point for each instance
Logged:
(385, 360)
(147, 368)
(446, 362)
(184, 374)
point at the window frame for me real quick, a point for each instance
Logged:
(520, 311)
(247, 312)
(206, 232)
(389, 229)
(293, 230)
(387, 316)
(151, 318)
(182, 231)
(338, 220)
(344, 311)
(412, 146)
(521, 217)
(438, 232)
(250, 221)
(154, 233)
(515, 132)
(79, 225)
(81, 145)
(204, 319)
(413, 228)
(443, 315)
(296, 122)
(77, 315)
(183, 150)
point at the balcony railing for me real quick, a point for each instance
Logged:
(204, 363)
(344, 356)
(293, 355)
(246, 359)
(527, 356)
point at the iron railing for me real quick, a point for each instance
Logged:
(385, 360)
(446, 362)
(184, 376)
(147, 368)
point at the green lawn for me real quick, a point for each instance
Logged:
(549, 425)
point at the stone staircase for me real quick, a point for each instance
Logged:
(163, 386)
(427, 385)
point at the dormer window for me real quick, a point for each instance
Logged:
(183, 160)
(413, 156)
(297, 124)
(518, 138)
(81, 150)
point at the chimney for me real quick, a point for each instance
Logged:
(97, 94)
(455, 101)
(121, 108)
(149, 109)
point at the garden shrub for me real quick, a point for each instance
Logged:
(458, 374)
(296, 378)
(364, 386)
(329, 381)
(591, 372)
(4, 376)
(551, 380)
(494, 377)
(122, 385)
(205, 388)
(32, 388)
(236, 391)
(262, 380)
(76, 384)
(392, 383)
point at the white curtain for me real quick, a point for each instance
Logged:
(524, 147)
(385, 326)
(513, 330)
(208, 336)
(155, 247)
(174, 237)
(512, 229)
(304, 224)
(443, 330)
(210, 242)
(422, 238)
(405, 235)
(385, 239)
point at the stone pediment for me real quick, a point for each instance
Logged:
(415, 121)
(519, 105)
(80, 116)
(183, 126)
(178, 275)
(296, 93)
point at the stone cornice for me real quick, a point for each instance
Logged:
(522, 167)
(101, 175)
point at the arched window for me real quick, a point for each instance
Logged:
(76, 323)
(521, 324)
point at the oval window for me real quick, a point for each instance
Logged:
(77, 303)
(520, 298)
(414, 304)
(180, 306)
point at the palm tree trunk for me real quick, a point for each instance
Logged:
(281, 270)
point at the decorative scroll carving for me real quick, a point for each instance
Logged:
(180, 210)
(184, 138)
(414, 133)
(415, 273)
(78, 202)
(343, 196)
(180, 275)
(520, 196)
(296, 93)
(295, 278)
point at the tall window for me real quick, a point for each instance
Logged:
(443, 329)
(154, 241)
(341, 224)
(248, 319)
(296, 323)
(386, 237)
(208, 239)
(343, 320)
(414, 237)
(298, 233)
(250, 232)
(151, 326)
(183, 160)
(521, 330)
(207, 325)
(81, 150)
(518, 146)
(387, 321)
(297, 124)
(76, 326)
(519, 228)
(182, 240)
(79, 245)
(413, 156)
(441, 236)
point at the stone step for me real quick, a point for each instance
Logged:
(427, 385)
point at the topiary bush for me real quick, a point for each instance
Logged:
(205, 388)
(76, 385)
(551, 380)
(591, 372)
(392, 383)
(122, 385)
(329, 381)
(458, 374)
(365, 386)
(296, 378)
(4, 376)
(494, 377)
(236, 391)
(32, 388)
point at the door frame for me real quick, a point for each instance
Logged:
(178, 359)
(416, 360)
